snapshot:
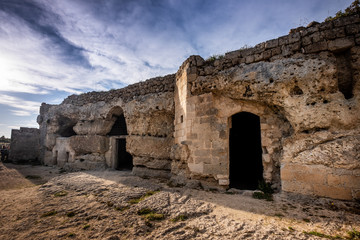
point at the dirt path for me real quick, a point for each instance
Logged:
(38, 202)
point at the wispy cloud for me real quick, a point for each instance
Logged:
(22, 107)
(73, 46)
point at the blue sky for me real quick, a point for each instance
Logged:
(50, 49)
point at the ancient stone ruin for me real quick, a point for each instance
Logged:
(285, 111)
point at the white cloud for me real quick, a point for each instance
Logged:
(21, 113)
(22, 107)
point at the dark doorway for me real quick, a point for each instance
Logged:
(124, 159)
(119, 127)
(246, 169)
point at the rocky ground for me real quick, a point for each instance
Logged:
(38, 202)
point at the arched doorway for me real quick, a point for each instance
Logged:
(246, 168)
(123, 159)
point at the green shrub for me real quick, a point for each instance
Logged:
(61, 194)
(179, 218)
(352, 9)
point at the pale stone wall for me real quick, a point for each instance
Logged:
(25, 145)
(304, 87)
(75, 133)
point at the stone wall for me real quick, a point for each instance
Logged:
(75, 133)
(304, 87)
(150, 86)
(25, 145)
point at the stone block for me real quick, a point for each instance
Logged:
(267, 54)
(325, 25)
(346, 181)
(283, 40)
(346, 20)
(224, 182)
(164, 164)
(295, 37)
(332, 192)
(145, 146)
(356, 194)
(357, 39)
(266, 158)
(93, 127)
(89, 144)
(196, 167)
(340, 44)
(259, 57)
(316, 37)
(306, 41)
(249, 59)
(316, 47)
(352, 29)
(153, 173)
(275, 51)
(271, 43)
(296, 187)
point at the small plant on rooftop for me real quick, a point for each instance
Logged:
(214, 57)
(352, 9)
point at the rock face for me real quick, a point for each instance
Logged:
(88, 131)
(285, 111)
(25, 145)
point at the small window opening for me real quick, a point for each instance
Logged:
(345, 74)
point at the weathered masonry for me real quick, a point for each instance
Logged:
(286, 111)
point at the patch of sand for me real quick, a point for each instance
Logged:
(38, 202)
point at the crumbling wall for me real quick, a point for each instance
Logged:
(25, 145)
(304, 87)
(76, 132)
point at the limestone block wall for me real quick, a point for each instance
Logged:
(304, 87)
(76, 132)
(25, 145)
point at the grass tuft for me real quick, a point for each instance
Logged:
(61, 194)
(146, 195)
(354, 235)
(86, 226)
(179, 218)
(150, 215)
(48, 214)
(154, 216)
(318, 234)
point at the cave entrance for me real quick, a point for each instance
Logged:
(246, 168)
(123, 159)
